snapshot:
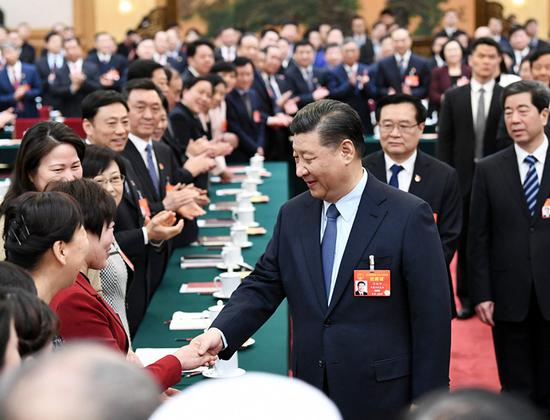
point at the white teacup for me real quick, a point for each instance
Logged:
(239, 235)
(244, 215)
(231, 255)
(214, 311)
(227, 367)
(230, 281)
(243, 198)
(257, 161)
(253, 173)
(250, 186)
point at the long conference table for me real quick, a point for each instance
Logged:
(270, 351)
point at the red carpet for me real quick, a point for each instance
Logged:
(472, 356)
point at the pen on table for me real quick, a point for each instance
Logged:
(167, 322)
(189, 375)
(183, 339)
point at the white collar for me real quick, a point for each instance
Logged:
(16, 67)
(539, 153)
(408, 165)
(139, 143)
(307, 70)
(476, 86)
(104, 57)
(348, 204)
(352, 68)
(406, 57)
(78, 63)
(193, 71)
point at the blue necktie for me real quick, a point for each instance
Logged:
(151, 168)
(395, 169)
(328, 246)
(531, 184)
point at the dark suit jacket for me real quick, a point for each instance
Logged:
(251, 132)
(83, 314)
(43, 72)
(29, 76)
(440, 82)
(28, 53)
(299, 87)
(456, 142)
(454, 35)
(362, 346)
(366, 52)
(177, 63)
(356, 96)
(184, 127)
(117, 62)
(437, 184)
(69, 102)
(507, 247)
(388, 75)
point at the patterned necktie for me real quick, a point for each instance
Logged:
(395, 169)
(480, 125)
(531, 184)
(151, 168)
(328, 246)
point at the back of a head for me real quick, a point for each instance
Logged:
(13, 276)
(472, 404)
(250, 397)
(81, 381)
(142, 68)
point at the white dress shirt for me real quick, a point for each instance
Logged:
(475, 86)
(75, 66)
(141, 145)
(347, 206)
(104, 58)
(406, 58)
(404, 177)
(351, 69)
(56, 59)
(15, 73)
(539, 154)
(162, 59)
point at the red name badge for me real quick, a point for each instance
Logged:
(545, 212)
(144, 207)
(257, 117)
(372, 283)
(412, 80)
(435, 218)
(169, 187)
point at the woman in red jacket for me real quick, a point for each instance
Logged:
(83, 314)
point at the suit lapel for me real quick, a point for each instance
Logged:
(311, 245)
(140, 169)
(379, 167)
(421, 167)
(493, 117)
(368, 219)
(510, 171)
(466, 106)
(544, 190)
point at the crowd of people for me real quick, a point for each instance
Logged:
(89, 224)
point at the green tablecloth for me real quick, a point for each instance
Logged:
(270, 352)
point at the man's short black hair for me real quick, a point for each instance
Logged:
(539, 52)
(223, 67)
(540, 95)
(515, 29)
(192, 81)
(142, 68)
(401, 98)
(140, 84)
(50, 34)
(242, 61)
(334, 121)
(302, 43)
(193, 46)
(387, 11)
(486, 41)
(100, 98)
(361, 282)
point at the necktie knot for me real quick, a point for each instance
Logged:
(530, 160)
(332, 212)
(481, 91)
(395, 169)
(148, 148)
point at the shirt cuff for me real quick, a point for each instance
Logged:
(222, 335)
(145, 236)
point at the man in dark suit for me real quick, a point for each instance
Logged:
(519, 40)
(359, 35)
(450, 25)
(112, 66)
(404, 72)
(48, 64)
(392, 346)
(105, 121)
(468, 126)
(243, 114)
(540, 66)
(28, 52)
(307, 82)
(495, 26)
(532, 29)
(74, 80)
(401, 120)
(354, 84)
(227, 50)
(19, 84)
(200, 59)
(508, 245)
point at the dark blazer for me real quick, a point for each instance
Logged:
(44, 72)
(249, 128)
(177, 63)
(299, 87)
(356, 96)
(26, 107)
(85, 315)
(440, 82)
(453, 35)
(117, 62)
(28, 53)
(508, 248)
(185, 126)
(69, 102)
(388, 75)
(437, 184)
(456, 142)
(362, 346)
(366, 52)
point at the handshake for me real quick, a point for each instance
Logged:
(201, 351)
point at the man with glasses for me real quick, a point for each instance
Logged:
(401, 164)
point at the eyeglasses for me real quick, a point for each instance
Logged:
(387, 127)
(115, 180)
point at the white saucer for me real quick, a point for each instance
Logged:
(248, 343)
(213, 373)
(222, 266)
(219, 295)
(247, 244)
(252, 225)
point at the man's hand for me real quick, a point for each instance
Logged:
(320, 93)
(485, 311)
(220, 148)
(191, 357)
(202, 199)
(20, 92)
(391, 91)
(197, 146)
(199, 164)
(284, 98)
(210, 343)
(161, 227)
(106, 80)
(230, 138)
(406, 89)
(7, 116)
(191, 211)
(179, 197)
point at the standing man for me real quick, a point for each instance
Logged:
(404, 72)
(111, 66)
(372, 355)
(509, 242)
(468, 126)
(401, 164)
(200, 59)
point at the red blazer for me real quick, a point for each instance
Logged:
(441, 82)
(83, 314)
